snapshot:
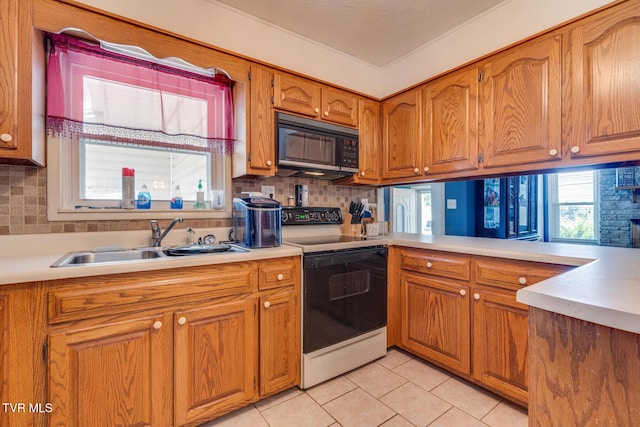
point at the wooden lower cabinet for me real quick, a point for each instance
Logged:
(500, 337)
(168, 347)
(215, 360)
(435, 320)
(460, 312)
(279, 341)
(115, 373)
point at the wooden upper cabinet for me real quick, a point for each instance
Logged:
(296, 94)
(451, 123)
(402, 135)
(521, 104)
(261, 149)
(602, 83)
(339, 106)
(306, 97)
(369, 129)
(22, 89)
(112, 374)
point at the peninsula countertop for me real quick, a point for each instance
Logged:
(603, 289)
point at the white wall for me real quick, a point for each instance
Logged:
(224, 27)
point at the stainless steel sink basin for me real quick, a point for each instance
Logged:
(97, 257)
(142, 254)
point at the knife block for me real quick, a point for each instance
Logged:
(350, 229)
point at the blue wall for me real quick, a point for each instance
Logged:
(462, 220)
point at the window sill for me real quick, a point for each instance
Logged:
(115, 214)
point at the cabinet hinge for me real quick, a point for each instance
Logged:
(480, 76)
(254, 309)
(272, 101)
(273, 82)
(254, 383)
(480, 158)
(249, 75)
(249, 156)
(45, 351)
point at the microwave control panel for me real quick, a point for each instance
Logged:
(348, 153)
(311, 216)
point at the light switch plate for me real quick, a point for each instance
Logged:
(268, 191)
(452, 204)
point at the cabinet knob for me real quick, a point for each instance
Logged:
(553, 152)
(429, 264)
(182, 320)
(575, 149)
(522, 280)
(157, 324)
(326, 114)
(267, 304)
(5, 137)
(416, 170)
(463, 292)
(317, 110)
(362, 173)
(426, 169)
(476, 296)
(269, 162)
(280, 276)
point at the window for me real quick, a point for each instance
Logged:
(108, 111)
(573, 207)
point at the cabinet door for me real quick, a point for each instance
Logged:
(215, 360)
(451, 123)
(602, 85)
(521, 104)
(296, 94)
(500, 337)
(370, 154)
(435, 320)
(279, 341)
(114, 374)
(339, 106)
(261, 147)
(402, 135)
(4, 347)
(21, 85)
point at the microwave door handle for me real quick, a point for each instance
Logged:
(308, 165)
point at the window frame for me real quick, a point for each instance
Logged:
(553, 211)
(63, 180)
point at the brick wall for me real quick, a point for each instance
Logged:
(616, 210)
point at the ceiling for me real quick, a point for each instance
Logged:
(374, 31)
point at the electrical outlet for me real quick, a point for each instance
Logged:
(268, 191)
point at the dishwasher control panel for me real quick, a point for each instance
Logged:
(311, 215)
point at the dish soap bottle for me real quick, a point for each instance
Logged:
(199, 197)
(144, 198)
(176, 200)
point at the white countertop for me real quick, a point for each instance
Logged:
(604, 289)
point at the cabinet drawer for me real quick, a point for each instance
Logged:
(88, 297)
(279, 272)
(443, 264)
(514, 274)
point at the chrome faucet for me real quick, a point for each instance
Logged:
(157, 235)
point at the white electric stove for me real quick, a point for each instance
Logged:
(344, 293)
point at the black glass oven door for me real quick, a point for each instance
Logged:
(345, 295)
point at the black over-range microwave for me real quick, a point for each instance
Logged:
(314, 149)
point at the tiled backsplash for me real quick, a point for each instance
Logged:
(23, 202)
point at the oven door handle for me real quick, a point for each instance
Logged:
(320, 259)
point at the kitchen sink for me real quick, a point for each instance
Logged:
(100, 256)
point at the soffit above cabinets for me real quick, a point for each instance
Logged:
(377, 32)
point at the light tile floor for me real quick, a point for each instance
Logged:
(395, 391)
